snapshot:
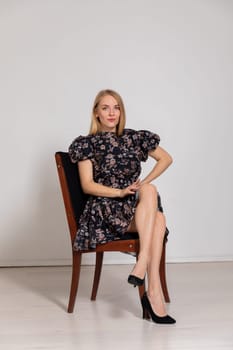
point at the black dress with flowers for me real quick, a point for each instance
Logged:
(116, 163)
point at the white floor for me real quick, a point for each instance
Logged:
(33, 310)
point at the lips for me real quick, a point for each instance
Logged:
(111, 120)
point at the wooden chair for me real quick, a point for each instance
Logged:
(74, 201)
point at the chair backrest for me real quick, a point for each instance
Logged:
(73, 196)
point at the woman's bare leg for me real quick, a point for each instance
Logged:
(151, 227)
(145, 223)
(155, 293)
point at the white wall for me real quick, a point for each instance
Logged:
(172, 63)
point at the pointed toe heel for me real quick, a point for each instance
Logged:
(148, 311)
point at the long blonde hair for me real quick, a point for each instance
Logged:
(95, 124)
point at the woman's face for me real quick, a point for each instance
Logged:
(108, 112)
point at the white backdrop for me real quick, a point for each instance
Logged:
(172, 62)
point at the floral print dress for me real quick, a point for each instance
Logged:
(116, 163)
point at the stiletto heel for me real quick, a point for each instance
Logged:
(145, 314)
(155, 318)
(136, 281)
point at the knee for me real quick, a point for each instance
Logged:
(148, 189)
(148, 196)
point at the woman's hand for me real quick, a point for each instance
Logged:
(131, 189)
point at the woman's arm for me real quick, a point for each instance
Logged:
(89, 186)
(163, 159)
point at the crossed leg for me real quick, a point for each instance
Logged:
(150, 225)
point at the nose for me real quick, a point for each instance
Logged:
(111, 111)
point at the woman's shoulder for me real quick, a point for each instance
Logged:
(140, 134)
(130, 132)
(81, 148)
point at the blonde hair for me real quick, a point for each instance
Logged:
(95, 124)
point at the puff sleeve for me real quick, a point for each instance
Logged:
(81, 149)
(148, 141)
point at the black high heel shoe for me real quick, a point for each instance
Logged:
(136, 281)
(148, 312)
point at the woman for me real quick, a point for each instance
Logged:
(109, 162)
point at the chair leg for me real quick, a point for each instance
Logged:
(98, 269)
(162, 271)
(77, 257)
